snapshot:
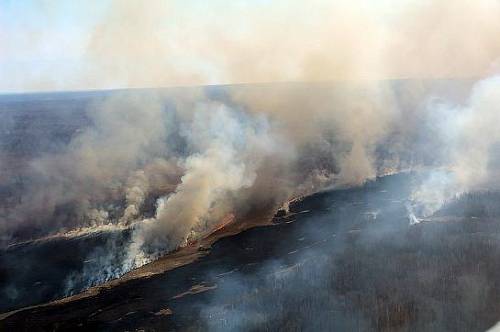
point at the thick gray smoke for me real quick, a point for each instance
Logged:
(168, 166)
(109, 161)
(200, 152)
(226, 149)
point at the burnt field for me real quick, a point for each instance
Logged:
(338, 260)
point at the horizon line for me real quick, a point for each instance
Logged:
(114, 89)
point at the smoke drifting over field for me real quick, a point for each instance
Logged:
(171, 166)
(172, 43)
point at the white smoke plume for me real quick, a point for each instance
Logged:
(470, 147)
(137, 189)
(227, 148)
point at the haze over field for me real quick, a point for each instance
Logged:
(61, 45)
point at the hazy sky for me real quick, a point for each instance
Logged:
(41, 39)
(67, 45)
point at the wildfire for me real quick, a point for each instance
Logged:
(229, 218)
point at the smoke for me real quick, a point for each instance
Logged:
(168, 166)
(69, 187)
(477, 136)
(172, 43)
(470, 147)
(226, 148)
(135, 195)
(213, 172)
(165, 167)
(242, 41)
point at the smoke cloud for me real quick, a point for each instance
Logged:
(470, 147)
(172, 43)
(282, 41)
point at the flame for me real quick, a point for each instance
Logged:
(229, 218)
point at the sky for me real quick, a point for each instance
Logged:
(99, 44)
(43, 43)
